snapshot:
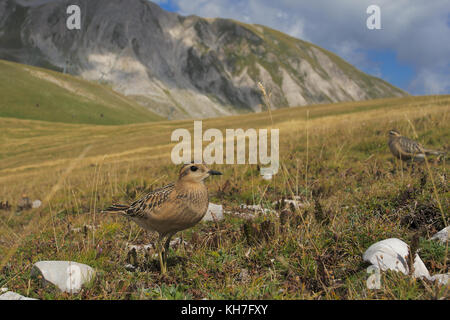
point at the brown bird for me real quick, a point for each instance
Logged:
(172, 208)
(24, 203)
(407, 149)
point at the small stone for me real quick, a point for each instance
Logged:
(443, 279)
(420, 270)
(214, 212)
(251, 211)
(242, 215)
(14, 296)
(256, 208)
(68, 276)
(292, 204)
(36, 204)
(130, 267)
(442, 236)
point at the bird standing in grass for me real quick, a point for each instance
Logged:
(24, 203)
(172, 208)
(407, 149)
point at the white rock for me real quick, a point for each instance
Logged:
(214, 213)
(3, 290)
(251, 211)
(36, 204)
(443, 279)
(253, 207)
(388, 254)
(256, 208)
(373, 282)
(129, 267)
(288, 202)
(420, 270)
(14, 296)
(68, 276)
(392, 254)
(243, 215)
(443, 235)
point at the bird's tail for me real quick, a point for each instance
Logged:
(119, 208)
(434, 152)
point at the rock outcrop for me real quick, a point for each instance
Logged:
(180, 67)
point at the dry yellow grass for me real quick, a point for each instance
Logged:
(348, 161)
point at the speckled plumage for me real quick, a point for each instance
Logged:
(408, 150)
(172, 208)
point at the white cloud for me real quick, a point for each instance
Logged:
(432, 82)
(417, 31)
(352, 51)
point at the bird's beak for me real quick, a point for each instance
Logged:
(214, 173)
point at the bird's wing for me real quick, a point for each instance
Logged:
(150, 201)
(410, 146)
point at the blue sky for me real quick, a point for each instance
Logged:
(411, 51)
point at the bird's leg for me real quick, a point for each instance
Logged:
(166, 246)
(159, 248)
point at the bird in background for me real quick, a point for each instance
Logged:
(24, 203)
(177, 206)
(408, 150)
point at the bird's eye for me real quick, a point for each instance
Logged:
(194, 168)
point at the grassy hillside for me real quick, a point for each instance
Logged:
(334, 158)
(40, 94)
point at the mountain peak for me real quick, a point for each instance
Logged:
(180, 67)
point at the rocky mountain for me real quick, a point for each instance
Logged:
(180, 67)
